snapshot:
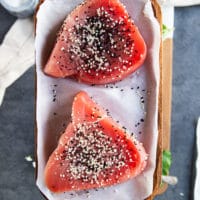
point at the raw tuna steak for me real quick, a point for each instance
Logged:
(93, 152)
(98, 43)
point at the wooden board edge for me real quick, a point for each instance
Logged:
(158, 169)
(166, 98)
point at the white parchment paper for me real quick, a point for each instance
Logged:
(124, 99)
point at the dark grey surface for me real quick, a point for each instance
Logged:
(16, 133)
(6, 20)
(17, 116)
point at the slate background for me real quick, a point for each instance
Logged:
(17, 116)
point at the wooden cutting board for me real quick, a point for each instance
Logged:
(165, 98)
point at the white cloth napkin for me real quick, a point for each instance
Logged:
(17, 49)
(16, 53)
(179, 3)
(197, 180)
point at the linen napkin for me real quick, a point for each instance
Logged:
(16, 53)
(197, 180)
(180, 3)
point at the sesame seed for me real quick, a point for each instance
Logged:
(62, 48)
(91, 153)
(96, 40)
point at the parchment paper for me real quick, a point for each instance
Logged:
(123, 99)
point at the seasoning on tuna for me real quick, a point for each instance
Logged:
(94, 151)
(98, 43)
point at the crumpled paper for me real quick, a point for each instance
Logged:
(123, 103)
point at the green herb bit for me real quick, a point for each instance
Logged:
(166, 162)
(166, 31)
